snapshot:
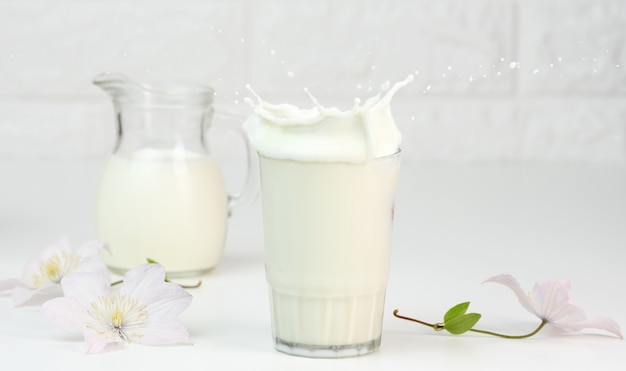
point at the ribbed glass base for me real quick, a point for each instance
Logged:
(326, 351)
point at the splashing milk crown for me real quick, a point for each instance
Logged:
(322, 134)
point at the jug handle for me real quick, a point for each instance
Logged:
(249, 191)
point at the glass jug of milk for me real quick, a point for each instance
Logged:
(162, 195)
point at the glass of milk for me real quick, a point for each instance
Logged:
(328, 182)
(162, 195)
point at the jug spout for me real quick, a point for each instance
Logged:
(122, 89)
(158, 116)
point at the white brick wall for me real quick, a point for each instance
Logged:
(497, 80)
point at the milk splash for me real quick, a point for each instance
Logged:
(365, 132)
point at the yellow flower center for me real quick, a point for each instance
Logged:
(54, 268)
(116, 318)
(119, 315)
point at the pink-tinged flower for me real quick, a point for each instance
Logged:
(42, 276)
(144, 310)
(551, 302)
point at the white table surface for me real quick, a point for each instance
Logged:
(456, 225)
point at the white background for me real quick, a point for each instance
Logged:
(497, 80)
(513, 160)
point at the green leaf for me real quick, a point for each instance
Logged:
(455, 311)
(462, 323)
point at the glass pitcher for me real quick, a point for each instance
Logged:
(162, 195)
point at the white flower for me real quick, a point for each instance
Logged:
(551, 302)
(42, 276)
(144, 310)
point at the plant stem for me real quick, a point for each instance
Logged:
(435, 326)
(440, 326)
(543, 323)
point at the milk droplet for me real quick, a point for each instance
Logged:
(513, 65)
(536, 71)
(273, 52)
(242, 40)
(449, 68)
(428, 88)
(290, 74)
(412, 118)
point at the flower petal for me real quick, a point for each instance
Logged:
(606, 324)
(164, 300)
(141, 281)
(23, 296)
(66, 313)
(91, 266)
(96, 342)
(85, 287)
(90, 257)
(10, 283)
(510, 282)
(92, 248)
(33, 266)
(162, 332)
(552, 302)
(172, 301)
